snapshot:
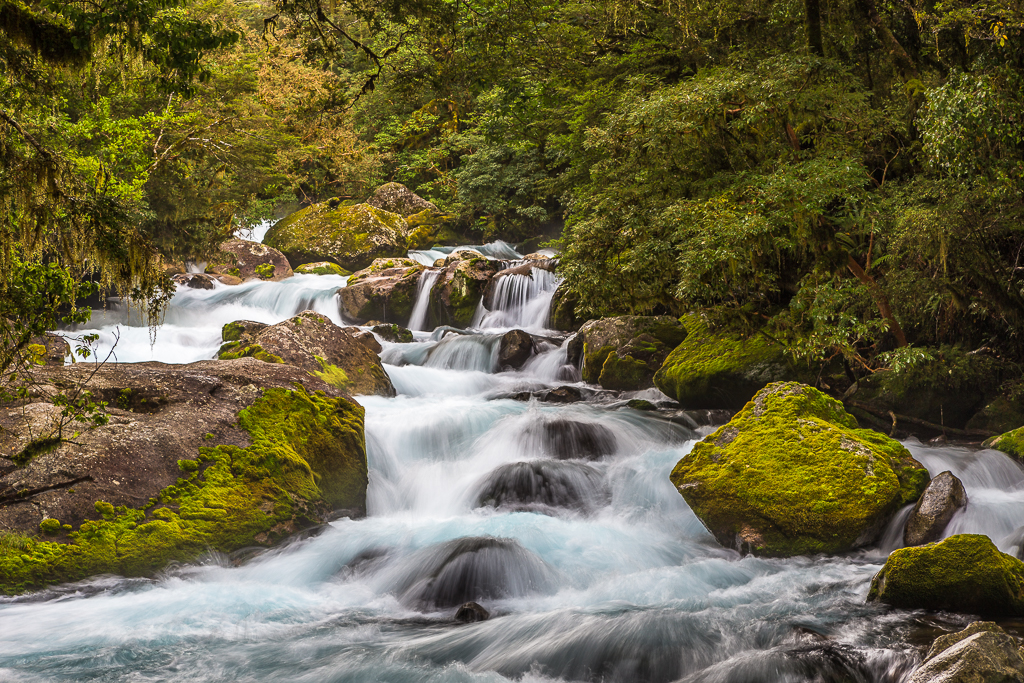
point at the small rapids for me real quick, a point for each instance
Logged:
(559, 519)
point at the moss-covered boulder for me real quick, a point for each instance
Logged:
(963, 573)
(1001, 414)
(625, 352)
(350, 236)
(1011, 443)
(321, 268)
(563, 310)
(791, 474)
(247, 260)
(395, 334)
(339, 356)
(460, 288)
(721, 370)
(981, 653)
(385, 291)
(213, 455)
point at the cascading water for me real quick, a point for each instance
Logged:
(559, 519)
(418, 319)
(520, 300)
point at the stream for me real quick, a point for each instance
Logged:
(559, 519)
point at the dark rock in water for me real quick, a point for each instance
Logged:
(194, 280)
(641, 404)
(981, 653)
(531, 486)
(943, 497)
(566, 394)
(385, 291)
(471, 612)
(472, 569)
(515, 349)
(567, 439)
(393, 333)
(964, 573)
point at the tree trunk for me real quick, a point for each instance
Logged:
(813, 11)
(880, 300)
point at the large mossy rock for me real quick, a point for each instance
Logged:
(460, 287)
(350, 236)
(247, 260)
(963, 573)
(563, 310)
(1011, 443)
(385, 291)
(212, 455)
(625, 352)
(721, 370)
(397, 198)
(791, 474)
(981, 653)
(338, 355)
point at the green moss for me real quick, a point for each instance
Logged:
(124, 399)
(35, 448)
(641, 404)
(623, 374)
(233, 350)
(394, 333)
(718, 370)
(322, 268)
(593, 361)
(50, 527)
(963, 573)
(265, 271)
(332, 374)
(792, 474)
(307, 455)
(232, 332)
(1011, 443)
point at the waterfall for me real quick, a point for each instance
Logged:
(422, 306)
(520, 300)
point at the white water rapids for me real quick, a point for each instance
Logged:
(559, 519)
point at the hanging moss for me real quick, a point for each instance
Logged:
(307, 456)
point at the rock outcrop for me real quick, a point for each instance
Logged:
(385, 291)
(460, 287)
(792, 474)
(942, 499)
(214, 454)
(563, 310)
(397, 198)
(515, 349)
(718, 370)
(963, 573)
(624, 353)
(345, 357)
(350, 236)
(981, 653)
(247, 260)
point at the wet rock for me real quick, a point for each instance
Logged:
(194, 280)
(385, 291)
(515, 349)
(350, 236)
(469, 570)
(719, 370)
(791, 474)
(624, 353)
(1011, 443)
(540, 484)
(247, 260)
(963, 573)
(568, 439)
(563, 394)
(393, 333)
(321, 268)
(397, 198)
(242, 433)
(342, 356)
(460, 287)
(943, 497)
(471, 612)
(563, 310)
(981, 653)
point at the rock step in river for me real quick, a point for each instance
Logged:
(558, 520)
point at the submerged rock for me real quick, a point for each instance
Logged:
(345, 357)
(624, 353)
(385, 291)
(981, 653)
(515, 349)
(963, 573)
(943, 497)
(247, 260)
(717, 370)
(214, 455)
(792, 474)
(471, 612)
(350, 236)
(539, 484)
(469, 570)
(571, 440)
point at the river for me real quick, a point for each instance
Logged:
(558, 518)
